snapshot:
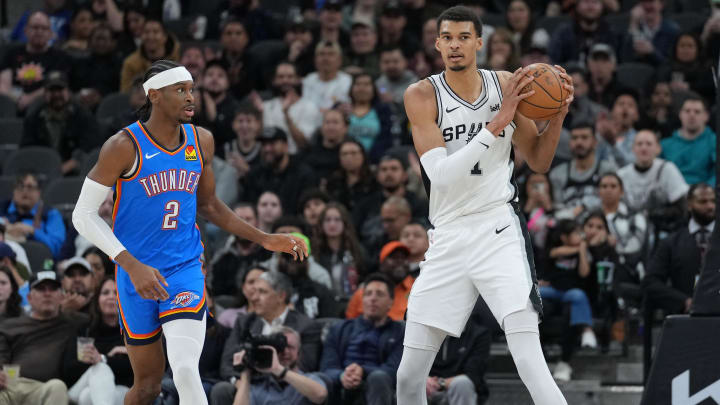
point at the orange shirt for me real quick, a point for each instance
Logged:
(397, 311)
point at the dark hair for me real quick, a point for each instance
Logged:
(107, 263)
(218, 63)
(460, 14)
(599, 215)
(290, 221)
(391, 48)
(245, 204)
(349, 240)
(582, 124)
(247, 108)
(525, 36)
(132, 8)
(20, 178)
(157, 67)
(393, 154)
(242, 300)
(103, 26)
(79, 10)
(562, 227)
(311, 194)
(627, 91)
(95, 313)
(699, 58)
(379, 277)
(614, 175)
(355, 78)
(697, 186)
(692, 96)
(13, 305)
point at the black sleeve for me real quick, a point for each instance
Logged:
(655, 281)
(72, 368)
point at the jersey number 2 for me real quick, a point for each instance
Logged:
(172, 208)
(476, 170)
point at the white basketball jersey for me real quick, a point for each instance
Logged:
(490, 183)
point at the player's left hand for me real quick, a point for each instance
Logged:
(282, 242)
(568, 85)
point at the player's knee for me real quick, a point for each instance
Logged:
(408, 380)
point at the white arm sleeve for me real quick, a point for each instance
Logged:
(89, 224)
(444, 170)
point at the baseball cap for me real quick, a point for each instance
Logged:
(77, 262)
(393, 8)
(44, 277)
(332, 5)
(602, 49)
(6, 251)
(358, 22)
(390, 247)
(56, 79)
(272, 134)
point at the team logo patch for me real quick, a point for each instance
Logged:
(190, 153)
(184, 299)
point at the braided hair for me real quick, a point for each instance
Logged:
(161, 65)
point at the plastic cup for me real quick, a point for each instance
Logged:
(12, 371)
(82, 343)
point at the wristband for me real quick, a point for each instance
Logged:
(282, 374)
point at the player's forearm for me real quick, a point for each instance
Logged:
(88, 223)
(544, 150)
(221, 215)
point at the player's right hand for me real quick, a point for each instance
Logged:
(512, 95)
(149, 282)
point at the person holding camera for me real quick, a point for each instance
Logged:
(272, 376)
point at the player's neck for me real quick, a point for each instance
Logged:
(467, 83)
(164, 131)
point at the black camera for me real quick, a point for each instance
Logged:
(261, 357)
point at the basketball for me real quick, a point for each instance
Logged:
(549, 93)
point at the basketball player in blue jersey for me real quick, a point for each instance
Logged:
(162, 173)
(465, 126)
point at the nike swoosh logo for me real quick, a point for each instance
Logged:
(497, 232)
(151, 156)
(449, 110)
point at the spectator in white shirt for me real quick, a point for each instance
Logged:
(327, 86)
(287, 110)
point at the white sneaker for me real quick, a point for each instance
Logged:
(588, 339)
(563, 372)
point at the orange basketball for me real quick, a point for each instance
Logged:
(549, 93)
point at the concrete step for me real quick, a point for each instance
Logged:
(577, 392)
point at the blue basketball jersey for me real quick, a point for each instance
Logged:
(154, 213)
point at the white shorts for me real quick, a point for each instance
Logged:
(488, 253)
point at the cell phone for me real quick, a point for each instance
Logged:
(263, 357)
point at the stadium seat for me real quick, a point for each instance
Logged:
(635, 75)
(619, 22)
(112, 104)
(39, 255)
(550, 24)
(6, 187)
(62, 194)
(43, 161)
(8, 108)
(11, 132)
(494, 20)
(90, 159)
(689, 21)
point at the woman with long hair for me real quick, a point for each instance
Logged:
(133, 20)
(354, 178)
(520, 21)
(101, 264)
(157, 43)
(688, 68)
(82, 24)
(502, 52)
(336, 248)
(101, 373)
(244, 297)
(370, 119)
(10, 300)
(269, 209)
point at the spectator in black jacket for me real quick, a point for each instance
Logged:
(679, 257)
(61, 124)
(270, 301)
(457, 376)
(572, 41)
(323, 156)
(361, 356)
(98, 74)
(284, 175)
(101, 374)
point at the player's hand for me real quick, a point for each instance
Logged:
(282, 242)
(513, 94)
(148, 282)
(569, 87)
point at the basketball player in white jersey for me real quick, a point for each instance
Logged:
(464, 126)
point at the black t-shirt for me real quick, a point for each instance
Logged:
(562, 272)
(30, 69)
(99, 72)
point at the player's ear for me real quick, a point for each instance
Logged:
(437, 44)
(153, 95)
(479, 43)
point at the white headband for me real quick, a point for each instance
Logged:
(166, 78)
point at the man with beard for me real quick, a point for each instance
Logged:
(692, 146)
(601, 65)
(288, 111)
(309, 297)
(392, 177)
(680, 257)
(280, 173)
(395, 75)
(572, 41)
(362, 55)
(218, 106)
(574, 183)
(78, 286)
(61, 124)
(394, 265)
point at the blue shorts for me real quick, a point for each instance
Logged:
(141, 319)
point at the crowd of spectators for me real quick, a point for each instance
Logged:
(304, 100)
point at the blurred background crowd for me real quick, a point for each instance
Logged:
(304, 100)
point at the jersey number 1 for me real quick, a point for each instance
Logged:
(476, 170)
(172, 208)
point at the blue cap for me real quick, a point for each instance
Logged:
(6, 251)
